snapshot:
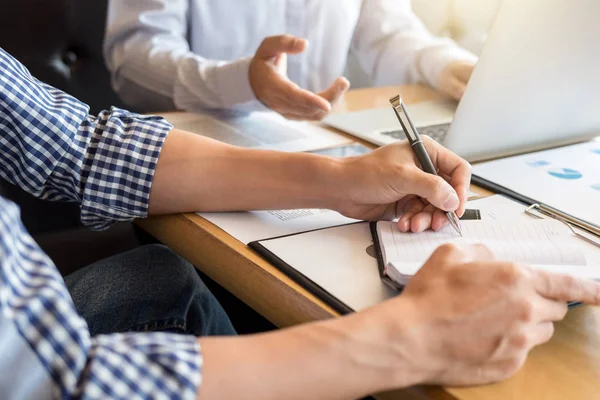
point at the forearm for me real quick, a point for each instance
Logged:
(195, 173)
(152, 65)
(338, 359)
(395, 46)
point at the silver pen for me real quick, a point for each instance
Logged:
(419, 149)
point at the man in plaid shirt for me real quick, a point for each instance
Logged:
(463, 319)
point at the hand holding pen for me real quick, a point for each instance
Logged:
(412, 135)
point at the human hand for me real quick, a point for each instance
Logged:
(466, 319)
(269, 81)
(454, 77)
(388, 183)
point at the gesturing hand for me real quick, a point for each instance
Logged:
(474, 320)
(388, 183)
(454, 78)
(269, 81)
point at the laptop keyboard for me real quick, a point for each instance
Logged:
(436, 132)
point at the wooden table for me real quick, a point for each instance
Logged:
(568, 367)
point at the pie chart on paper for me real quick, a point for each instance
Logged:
(597, 151)
(596, 187)
(565, 173)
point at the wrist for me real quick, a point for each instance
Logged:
(392, 343)
(321, 181)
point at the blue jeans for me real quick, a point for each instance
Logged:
(146, 289)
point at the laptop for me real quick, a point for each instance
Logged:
(536, 86)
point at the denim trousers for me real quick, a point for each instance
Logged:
(146, 289)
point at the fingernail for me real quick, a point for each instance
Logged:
(403, 225)
(451, 202)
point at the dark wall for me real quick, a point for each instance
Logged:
(60, 41)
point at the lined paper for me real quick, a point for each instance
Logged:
(531, 242)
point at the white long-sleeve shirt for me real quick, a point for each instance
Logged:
(195, 54)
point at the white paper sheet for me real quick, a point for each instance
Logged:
(532, 242)
(337, 260)
(254, 225)
(566, 178)
(260, 130)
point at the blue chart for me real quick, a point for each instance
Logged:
(596, 187)
(597, 151)
(565, 173)
(538, 163)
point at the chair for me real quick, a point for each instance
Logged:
(60, 42)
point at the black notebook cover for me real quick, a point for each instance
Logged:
(379, 256)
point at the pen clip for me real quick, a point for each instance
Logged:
(407, 125)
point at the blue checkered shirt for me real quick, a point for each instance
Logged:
(52, 148)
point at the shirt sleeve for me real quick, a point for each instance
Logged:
(151, 63)
(52, 148)
(36, 303)
(394, 46)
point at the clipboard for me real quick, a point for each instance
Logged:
(584, 230)
(311, 286)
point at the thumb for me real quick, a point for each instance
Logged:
(435, 190)
(275, 45)
(336, 90)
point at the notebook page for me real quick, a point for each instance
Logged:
(530, 242)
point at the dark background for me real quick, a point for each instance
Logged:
(60, 42)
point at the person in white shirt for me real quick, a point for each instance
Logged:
(228, 54)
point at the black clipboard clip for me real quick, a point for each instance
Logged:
(580, 228)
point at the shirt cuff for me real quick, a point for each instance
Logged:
(119, 166)
(433, 60)
(234, 83)
(143, 365)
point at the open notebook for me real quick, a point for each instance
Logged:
(546, 244)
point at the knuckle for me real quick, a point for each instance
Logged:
(526, 311)
(448, 250)
(519, 341)
(459, 277)
(404, 169)
(267, 40)
(438, 183)
(508, 274)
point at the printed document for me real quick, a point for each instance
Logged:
(566, 178)
(259, 130)
(255, 225)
